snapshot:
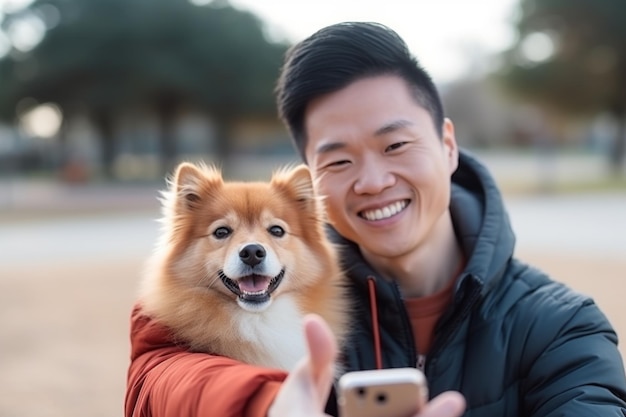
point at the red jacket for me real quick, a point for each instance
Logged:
(166, 380)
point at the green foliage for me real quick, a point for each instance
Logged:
(107, 53)
(587, 71)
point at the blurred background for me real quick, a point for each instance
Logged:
(99, 99)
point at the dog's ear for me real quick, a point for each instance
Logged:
(190, 180)
(302, 183)
(297, 183)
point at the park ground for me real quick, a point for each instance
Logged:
(64, 348)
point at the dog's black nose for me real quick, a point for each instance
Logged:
(252, 254)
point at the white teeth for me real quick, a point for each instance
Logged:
(253, 292)
(385, 212)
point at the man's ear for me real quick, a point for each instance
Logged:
(450, 146)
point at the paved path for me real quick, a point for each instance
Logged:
(593, 224)
(588, 224)
(100, 237)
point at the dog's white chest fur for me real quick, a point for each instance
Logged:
(277, 332)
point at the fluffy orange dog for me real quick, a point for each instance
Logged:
(240, 263)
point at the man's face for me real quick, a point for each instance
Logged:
(379, 162)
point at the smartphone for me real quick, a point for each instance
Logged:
(396, 392)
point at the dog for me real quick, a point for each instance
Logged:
(239, 264)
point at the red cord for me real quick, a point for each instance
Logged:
(374, 308)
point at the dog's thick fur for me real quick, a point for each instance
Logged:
(217, 233)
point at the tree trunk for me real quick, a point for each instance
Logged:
(223, 144)
(167, 108)
(618, 150)
(103, 121)
(60, 158)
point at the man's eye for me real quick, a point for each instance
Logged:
(276, 231)
(394, 146)
(222, 232)
(338, 163)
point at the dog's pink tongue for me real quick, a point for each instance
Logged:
(253, 283)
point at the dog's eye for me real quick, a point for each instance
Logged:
(222, 232)
(276, 231)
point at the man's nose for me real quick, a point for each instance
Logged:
(373, 179)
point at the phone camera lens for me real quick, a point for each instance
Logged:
(381, 398)
(360, 391)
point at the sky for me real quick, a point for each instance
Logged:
(450, 38)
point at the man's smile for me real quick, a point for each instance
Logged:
(384, 212)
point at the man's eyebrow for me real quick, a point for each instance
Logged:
(392, 127)
(329, 147)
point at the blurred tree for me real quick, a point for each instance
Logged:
(106, 56)
(571, 56)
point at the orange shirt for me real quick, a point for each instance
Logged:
(424, 312)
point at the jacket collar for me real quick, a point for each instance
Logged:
(480, 220)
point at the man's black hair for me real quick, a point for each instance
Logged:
(340, 54)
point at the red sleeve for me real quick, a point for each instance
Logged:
(166, 380)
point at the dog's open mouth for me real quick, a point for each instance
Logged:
(253, 288)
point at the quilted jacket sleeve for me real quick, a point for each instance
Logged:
(165, 380)
(576, 368)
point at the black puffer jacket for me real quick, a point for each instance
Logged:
(514, 342)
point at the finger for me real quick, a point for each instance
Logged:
(322, 354)
(321, 343)
(446, 404)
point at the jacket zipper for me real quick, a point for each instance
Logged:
(465, 306)
(408, 332)
(420, 362)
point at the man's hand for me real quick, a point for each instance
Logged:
(446, 404)
(305, 391)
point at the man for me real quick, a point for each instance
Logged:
(429, 252)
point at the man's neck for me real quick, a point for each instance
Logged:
(428, 268)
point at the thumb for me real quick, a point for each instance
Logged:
(322, 353)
